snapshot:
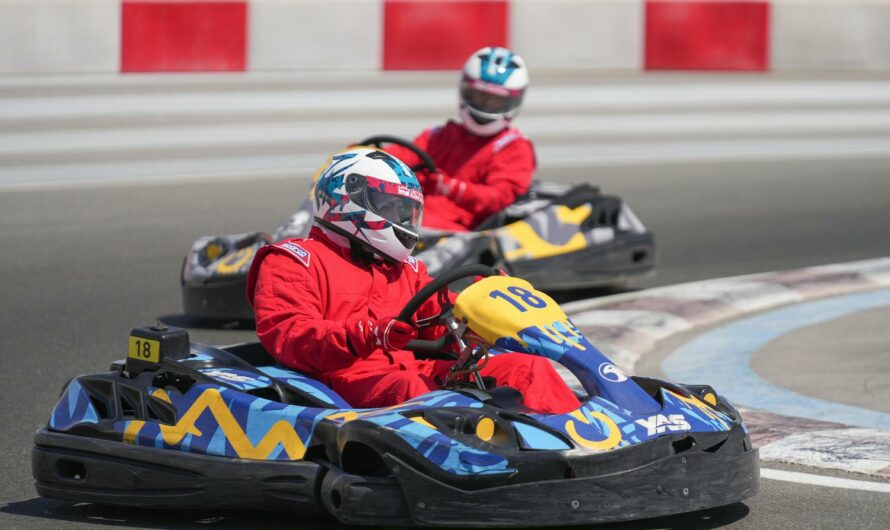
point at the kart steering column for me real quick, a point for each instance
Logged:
(466, 358)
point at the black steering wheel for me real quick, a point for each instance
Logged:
(426, 161)
(407, 313)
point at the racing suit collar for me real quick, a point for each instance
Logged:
(341, 245)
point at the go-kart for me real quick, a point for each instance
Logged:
(558, 237)
(183, 425)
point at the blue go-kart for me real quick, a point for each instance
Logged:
(186, 425)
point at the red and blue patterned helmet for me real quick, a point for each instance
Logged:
(491, 90)
(371, 197)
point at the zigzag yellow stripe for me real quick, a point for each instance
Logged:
(162, 394)
(281, 432)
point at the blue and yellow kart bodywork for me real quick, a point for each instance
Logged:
(589, 238)
(190, 425)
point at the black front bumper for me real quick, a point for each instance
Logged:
(684, 482)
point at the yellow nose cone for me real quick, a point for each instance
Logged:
(485, 429)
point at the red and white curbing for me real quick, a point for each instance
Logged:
(104, 36)
(627, 326)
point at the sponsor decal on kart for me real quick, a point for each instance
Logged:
(612, 373)
(659, 423)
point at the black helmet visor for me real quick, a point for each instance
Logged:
(489, 98)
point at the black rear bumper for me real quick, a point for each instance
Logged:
(81, 469)
(611, 264)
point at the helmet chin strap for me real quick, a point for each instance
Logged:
(482, 129)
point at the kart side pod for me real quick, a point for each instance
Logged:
(149, 345)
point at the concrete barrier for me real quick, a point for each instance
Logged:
(56, 36)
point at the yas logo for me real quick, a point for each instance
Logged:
(660, 423)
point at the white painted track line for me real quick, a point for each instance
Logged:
(822, 480)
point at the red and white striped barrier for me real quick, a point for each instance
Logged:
(58, 36)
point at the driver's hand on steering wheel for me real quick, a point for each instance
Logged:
(439, 183)
(427, 180)
(388, 333)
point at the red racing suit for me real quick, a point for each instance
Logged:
(489, 173)
(307, 293)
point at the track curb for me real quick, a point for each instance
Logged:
(627, 326)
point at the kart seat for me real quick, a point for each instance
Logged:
(252, 352)
(507, 398)
(605, 209)
(300, 390)
(504, 397)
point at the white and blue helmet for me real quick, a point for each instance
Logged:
(370, 197)
(491, 90)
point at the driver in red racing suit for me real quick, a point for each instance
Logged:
(324, 304)
(483, 162)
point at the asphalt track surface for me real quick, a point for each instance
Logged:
(848, 356)
(82, 266)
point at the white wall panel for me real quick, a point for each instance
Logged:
(578, 34)
(59, 36)
(315, 35)
(831, 34)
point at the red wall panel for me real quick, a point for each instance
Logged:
(164, 36)
(707, 35)
(440, 35)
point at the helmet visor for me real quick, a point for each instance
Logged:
(489, 98)
(399, 204)
(400, 211)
